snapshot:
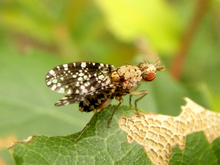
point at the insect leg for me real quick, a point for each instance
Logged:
(85, 127)
(104, 105)
(120, 101)
(137, 93)
(131, 96)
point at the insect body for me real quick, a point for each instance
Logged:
(94, 85)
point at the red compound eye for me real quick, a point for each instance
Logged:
(150, 76)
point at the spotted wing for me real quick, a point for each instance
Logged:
(79, 80)
(108, 90)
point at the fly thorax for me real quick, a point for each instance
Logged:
(128, 76)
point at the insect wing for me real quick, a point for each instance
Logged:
(79, 78)
(72, 98)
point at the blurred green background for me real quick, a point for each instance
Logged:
(37, 35)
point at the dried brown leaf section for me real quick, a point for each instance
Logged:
(159, 133)
(29, 139)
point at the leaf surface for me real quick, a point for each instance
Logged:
(102, 145)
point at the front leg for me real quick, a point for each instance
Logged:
(137, 93)
(131, 95)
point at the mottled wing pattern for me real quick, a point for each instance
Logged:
(72, 98)
(79, 80)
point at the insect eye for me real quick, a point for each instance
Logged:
(149, 76)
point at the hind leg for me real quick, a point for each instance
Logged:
(120, 101)
(85, 127)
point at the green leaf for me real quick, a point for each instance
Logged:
(198, 151)
(102, 145)
(98, 145)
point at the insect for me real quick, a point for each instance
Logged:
(94, 85)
